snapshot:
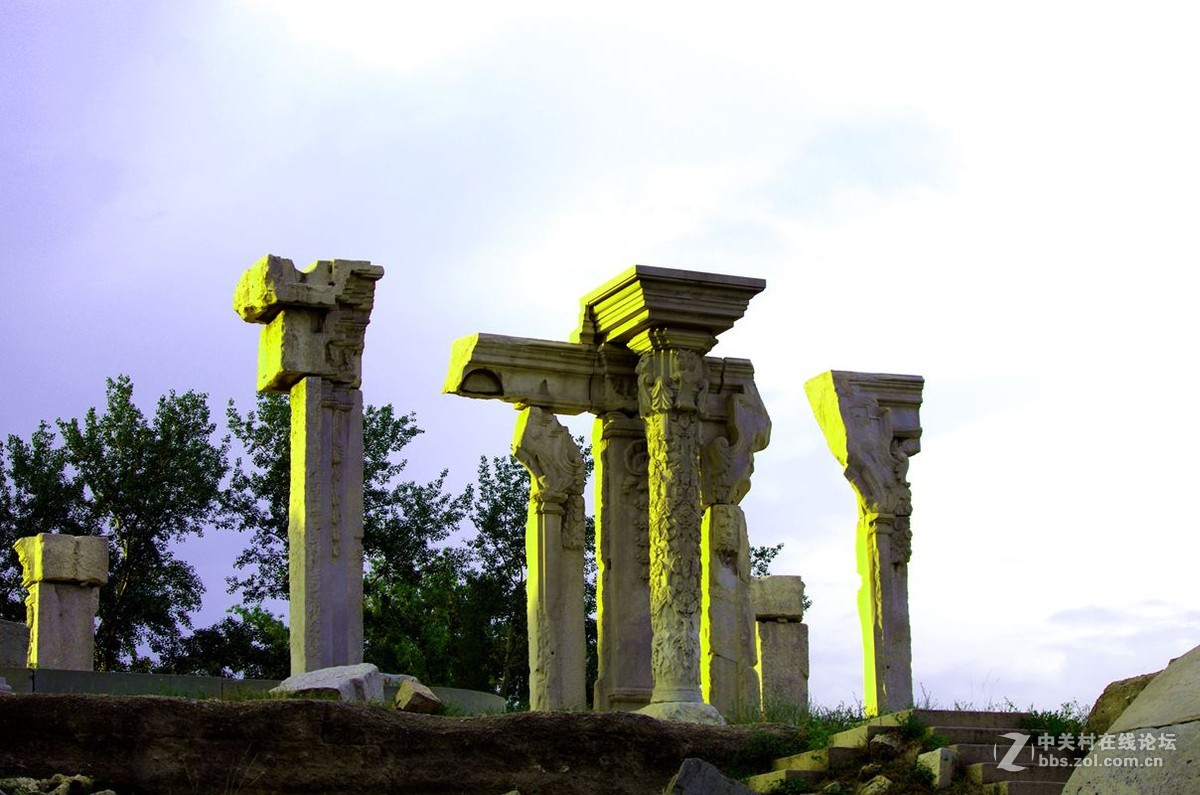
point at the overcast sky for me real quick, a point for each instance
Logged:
(1002, 200)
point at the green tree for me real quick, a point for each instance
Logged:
(142, 485)
(249, 643)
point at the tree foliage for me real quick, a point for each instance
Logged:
(140, 484)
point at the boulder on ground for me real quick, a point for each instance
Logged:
(357, 684)
(697, 777)
(416, 697)
(1113, 701)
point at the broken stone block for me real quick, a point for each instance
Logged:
(4, 686)
(14, 644)
(697, 777)
(885, 746)
(52, 557)
(940, 762)
(356, 684)
(416, 697)
(880, 785)
(777, 597)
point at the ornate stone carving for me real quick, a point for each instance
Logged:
(315, 319)
(311, 347)
(872, 425)
(554, 555)
(728, 459)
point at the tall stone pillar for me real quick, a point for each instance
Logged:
(782, 640)
(671, 384)
(63, 575)
(311, 347)
(624, 681)
(872, 425)
(727, 634)
(554, 536)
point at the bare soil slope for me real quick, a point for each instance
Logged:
(166, 746)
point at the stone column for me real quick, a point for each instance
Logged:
(671, 382)
(311, 347)
(782, 640)
(872, 425)
(63, 575)
(554, 554)
(729, 651)
(624, 681)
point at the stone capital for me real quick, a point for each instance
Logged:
(872, 425)
(671, 380)
(314, 320)
(546, 449)
(54, 557)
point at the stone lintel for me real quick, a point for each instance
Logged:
(777, 597)
(572, 378)
(644, 298)
(54, 557)
(314, 320)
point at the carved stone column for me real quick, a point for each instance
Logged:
(872, 425)
(311, 347)
(782, 640)
(729, 653)
(554, 554)
(63, 575)
(624, 681)
(671, 383)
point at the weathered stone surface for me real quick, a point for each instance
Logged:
(880, 785)
(314, 320)
(777, 596)
(683, 712)
(941, 764)
(306, 747)
(885, 746)
(416, 697)
(872, 425)
(4, 686)
(1168, 709)
(1114, 701)
(358, 684)
(311, 347)
(783, 663)
(697, 777)
(554, 541)
(728, 638)
(639, 349)
(53, 557)
(14, 644)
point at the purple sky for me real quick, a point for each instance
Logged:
(1003, 202)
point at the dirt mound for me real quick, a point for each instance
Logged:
(161, 746)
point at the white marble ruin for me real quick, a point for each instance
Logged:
(782, 640)
(63, 575)
(872, 425)
(554, 556)
(311, 348)
(664, 481)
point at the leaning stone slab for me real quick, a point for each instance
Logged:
(416, 697)
(352, 683)
(1167, 712)
(697, 777)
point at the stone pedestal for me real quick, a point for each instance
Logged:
(311, 347)
(782, 640)
(872, 424)
(63, 575)
(554, 554)
(624, 681)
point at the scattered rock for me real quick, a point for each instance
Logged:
(416, 697)
(886, 747)
(940, 762)
(57, 784)
(697, 777)
(880, 785)
(352, 683)
(1113, 701)
(869, 770)
(833, 788)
